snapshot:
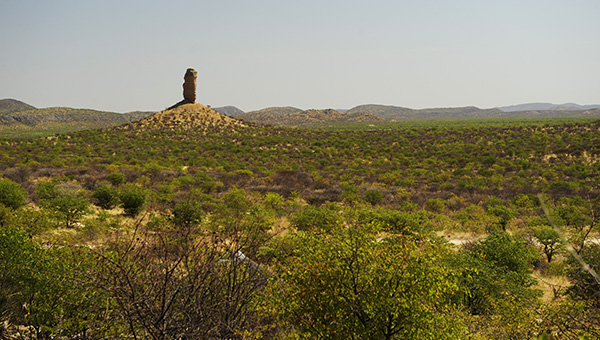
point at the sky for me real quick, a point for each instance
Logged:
(129, 55)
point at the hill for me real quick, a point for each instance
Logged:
(229, 110)
(547, 107)
(403, 113)
(65, 115)
(292, 117)
(268, 116)
(13, 105)
(186, 117)
(33, 122)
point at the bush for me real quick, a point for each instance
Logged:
(107, 197)
(187, 213)
(373, 196)
(437, 205)
(585, 286)
(12, 194)
(312, 218)
(45, 190)
(116, 178)
(495, 268)
(133, 198)
(395, 221)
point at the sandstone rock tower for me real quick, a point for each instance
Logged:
(189, 86)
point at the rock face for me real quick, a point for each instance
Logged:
(189, 86)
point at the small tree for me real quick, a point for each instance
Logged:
(133, 198)
(549, 239)
(11, 194)
(69, 205)
(504, 213)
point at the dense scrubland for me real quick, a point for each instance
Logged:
(423, 232)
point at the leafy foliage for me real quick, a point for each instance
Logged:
(107, 197)
(69, 205)
(12, 195)
(361, 204)
(316, 219)
(351, 285)
(133, 198)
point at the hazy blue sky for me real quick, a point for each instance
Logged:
(130, 55)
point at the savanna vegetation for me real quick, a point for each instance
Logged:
(468, 231)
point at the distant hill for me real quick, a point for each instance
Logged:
(547, 107)
(293, 117)
(13, 105)
(229, 110)
(403, 113)
(27, 121)
(65, 115)
(278, 111)
(268, 116)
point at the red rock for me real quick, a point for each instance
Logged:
(189, 86)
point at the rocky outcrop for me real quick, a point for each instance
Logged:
(189, 86)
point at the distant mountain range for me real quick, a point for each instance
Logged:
(294, 117)
(291, 116)
(547, 107)
(403, 113)
(17, 117)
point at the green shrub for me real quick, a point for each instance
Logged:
(494, 268)
(133, 198)
(116, 178)
(11, 194)
(107, 197)
(187, 213)
(396, 221)
(45, 190)
(373, 196)
(437, 205)
(312, 218)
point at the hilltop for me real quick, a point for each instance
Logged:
(186, 117)
(13, 105)
(229, 110)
